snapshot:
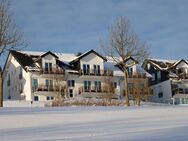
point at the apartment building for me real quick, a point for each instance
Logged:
(42, 76)
(169, 80)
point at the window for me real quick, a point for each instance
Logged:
(8, 81)
(36, 98)
(70, 92)
(48, 67)
(159, 75)
(86, 69)
(114, 85)
(71, 83)
(97, 86)
(130, 85)
(20, 74)
(49, 84)
(160, 95)
(153, 77)
(96, 69)
(130, 71)
(87, 85)
(49, 98)
(148, 66)
(35, 84)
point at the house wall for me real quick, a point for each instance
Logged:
(17, 85)
(92, 59)
(24, 86)
(58, 81)
(79, 82)
(182, 65)
(49, 59)
(165, 89)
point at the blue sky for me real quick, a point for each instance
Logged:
(77, 25)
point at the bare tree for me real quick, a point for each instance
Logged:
(139, 90)
(122, 44)
(60, 85)
(108, 89)
(10, 35)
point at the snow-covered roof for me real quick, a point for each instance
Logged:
(109, 65)
(139, 69)
(65, 57)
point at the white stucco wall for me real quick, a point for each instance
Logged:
(49, 59)
(182, 65)
(165, 88)
(17, 85)
(92, 59)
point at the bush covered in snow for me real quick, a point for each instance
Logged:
(88, 102)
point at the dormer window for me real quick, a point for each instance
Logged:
(130, 71)
(96, 69)
(159, 75)
(48, 67)
(86, 69)
(148, 66)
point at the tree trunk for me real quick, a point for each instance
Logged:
(139, 92)
(1, 89)
(126, 88)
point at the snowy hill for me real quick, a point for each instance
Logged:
(145, 123)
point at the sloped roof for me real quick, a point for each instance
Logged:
(23, 59)
(85, 54)
(165, 64)
(49, 52)
(177, 63)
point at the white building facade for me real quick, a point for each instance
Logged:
(42, 76)
(169, 80)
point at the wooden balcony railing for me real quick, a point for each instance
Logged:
(137, 75)
(96, 73)
(181, 91)
(44, 88)
(52, 71)
(142, 91)
(95, 90)
(183, 75)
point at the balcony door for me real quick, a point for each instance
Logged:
(48, 67)
(87, 86)
(96, 69)
(49, 84)
(35, 84)
(86, 69)
(97, 86)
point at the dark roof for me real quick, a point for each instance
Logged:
(131, 58)
(159, 63)
(49, 52)
(163, 65)
(177, 63)
(63, 65)
(22, 58)
(85, 54)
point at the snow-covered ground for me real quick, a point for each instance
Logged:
(145, 123)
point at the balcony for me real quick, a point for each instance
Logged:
(44, 88)
(137, 75)
(142, 91)
(52, 71)
(181, 91)
(183, 75)
(92, 72)
(94, 90)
